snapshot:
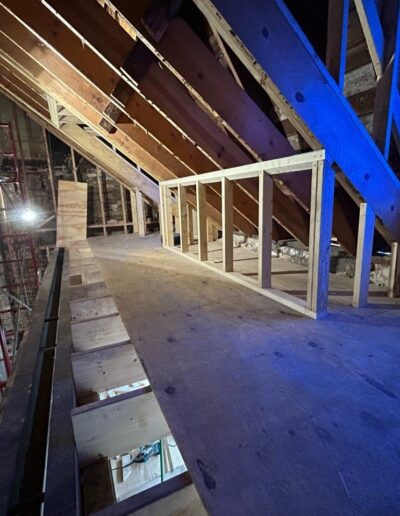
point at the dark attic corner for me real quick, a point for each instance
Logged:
(199, 257)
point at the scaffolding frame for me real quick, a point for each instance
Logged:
(17, 250)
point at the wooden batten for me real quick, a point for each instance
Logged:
(99, 332)
(106, 368)
(117, 425)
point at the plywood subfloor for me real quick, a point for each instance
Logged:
(273, 413)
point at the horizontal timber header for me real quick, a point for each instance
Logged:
(272, 167)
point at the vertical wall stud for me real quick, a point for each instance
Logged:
(141, 213)
(50, 167)
(265, 230)
(74, 165)
(161, 214)
(190, 219)
(365, 241)
(134, 212)
(101, 199)
(166, 216)
(394, 274)
(227, 224)
(202, 221)
(338, 16)
(123, 206)
(321, 212)
(183, 223)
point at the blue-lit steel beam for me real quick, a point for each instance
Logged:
(267, 39)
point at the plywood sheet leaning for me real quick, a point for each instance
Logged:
(71, 212)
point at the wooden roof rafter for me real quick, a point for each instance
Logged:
(174, 111)
(212, 201)
(88, 146)
(382, 34)
(104, 74)
(55, 64)
(351, 148)
(216, 90)
(243, 202)
(53, 87)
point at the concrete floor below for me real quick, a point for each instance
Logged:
(274, 413)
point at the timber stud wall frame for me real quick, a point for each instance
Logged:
(322, 191)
